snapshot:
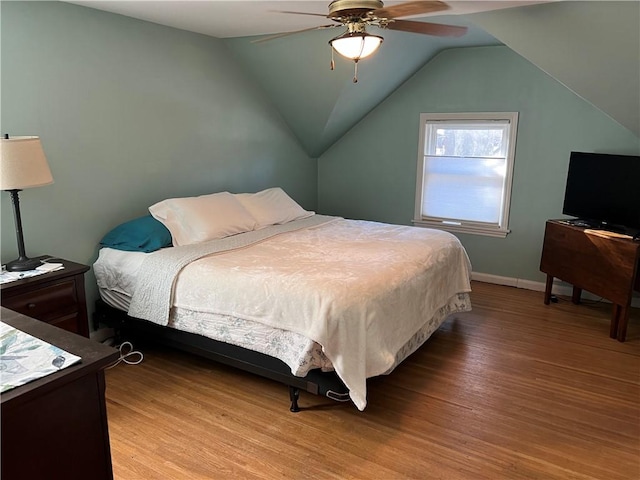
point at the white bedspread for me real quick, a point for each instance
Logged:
(360, 289)
(152, 292)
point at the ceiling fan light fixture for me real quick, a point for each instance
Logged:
(356, 45)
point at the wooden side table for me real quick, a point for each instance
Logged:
(56, 297)
(601, 262)
(56, 427)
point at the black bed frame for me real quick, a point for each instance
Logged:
(316, 381)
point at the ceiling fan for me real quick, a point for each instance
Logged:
(356, 15)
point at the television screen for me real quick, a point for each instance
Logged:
(604, 189)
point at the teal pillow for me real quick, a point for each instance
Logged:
(144, 234)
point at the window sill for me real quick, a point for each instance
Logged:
(470, 229)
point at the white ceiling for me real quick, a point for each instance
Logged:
(240, 18)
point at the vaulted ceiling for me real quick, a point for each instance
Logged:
(243, 18)
(592, 47)
(319, 104)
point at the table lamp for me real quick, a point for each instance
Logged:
(22, 165)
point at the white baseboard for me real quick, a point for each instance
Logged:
(559, 288)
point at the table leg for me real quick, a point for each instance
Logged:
(547, 290)
(575, 296)
(623, 320)
(615, 317)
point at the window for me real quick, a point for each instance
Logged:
(465, 166)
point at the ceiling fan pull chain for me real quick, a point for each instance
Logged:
(333, 64)
(355, 72)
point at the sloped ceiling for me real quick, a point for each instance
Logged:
(593, 48)
(321, 105)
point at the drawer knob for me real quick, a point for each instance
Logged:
(31, 306)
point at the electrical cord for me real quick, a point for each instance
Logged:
(127, 351)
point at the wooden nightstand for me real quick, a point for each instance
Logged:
(57, 298)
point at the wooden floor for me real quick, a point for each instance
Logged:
(512, 390)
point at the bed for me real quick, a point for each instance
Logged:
(316, 302)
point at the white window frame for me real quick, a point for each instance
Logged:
(501, 229)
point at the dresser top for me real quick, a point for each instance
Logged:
(94, 355)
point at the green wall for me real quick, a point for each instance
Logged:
(130, 113)
(371, 172)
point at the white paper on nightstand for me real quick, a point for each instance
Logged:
(6, 276)
(24, 358)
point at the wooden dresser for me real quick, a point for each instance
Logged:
(56, 427)
(56, 297)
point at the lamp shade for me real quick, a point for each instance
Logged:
(356, 45)
(23, 164)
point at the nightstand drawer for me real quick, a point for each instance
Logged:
(57, 297)
(46, 303)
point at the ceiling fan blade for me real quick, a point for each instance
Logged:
(409, 8)
(286, 34)
(425, 28)
(300, 13)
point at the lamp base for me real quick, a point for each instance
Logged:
(23, 264)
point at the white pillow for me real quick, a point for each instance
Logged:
(207, 217)
(272, 207)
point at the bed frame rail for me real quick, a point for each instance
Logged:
(316, 381)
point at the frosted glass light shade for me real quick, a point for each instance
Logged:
(355, 46)
(23, 164)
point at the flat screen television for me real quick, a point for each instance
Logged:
(603, 190)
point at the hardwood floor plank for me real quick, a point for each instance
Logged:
(513, 390)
